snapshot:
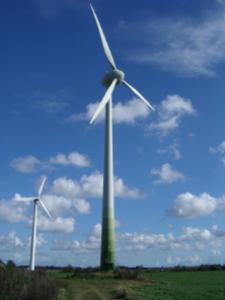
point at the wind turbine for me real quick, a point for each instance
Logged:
(110, 81)
(36, 200)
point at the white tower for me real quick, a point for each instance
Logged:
(110, 81)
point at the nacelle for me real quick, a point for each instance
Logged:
(110, 76)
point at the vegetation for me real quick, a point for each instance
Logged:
(180, 283)
(69, 283)
(20, 284)
(207, 285)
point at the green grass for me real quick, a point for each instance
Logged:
(184, 286)
(60, 274)
(207, 285)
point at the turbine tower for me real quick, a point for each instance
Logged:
(110, 81)
(36, 200)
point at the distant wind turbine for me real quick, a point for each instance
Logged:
(36, 200)
(110, 81)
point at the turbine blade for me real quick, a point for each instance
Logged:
(104, 100)
(45, 208)
(23, 199)
(104, 41)
(40, 190)
(138, 94)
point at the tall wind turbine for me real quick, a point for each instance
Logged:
(36, 200)
(110, 81)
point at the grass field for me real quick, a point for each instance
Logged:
(207, 285)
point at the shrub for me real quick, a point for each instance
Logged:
(41, 287)
(120, 292)
(68, 269)
(19, 284)
(10, 264)
(2, 265)
(133, 274)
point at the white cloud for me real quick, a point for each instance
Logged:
(198, 234)
(50, 106)
(169, 260)
(26, 164)
(92, 186)
(194, 259)
(221, 2)
(30, 164)
(12, 212)
(191, 206)
(223, 161)
(187, 46)
(74, 159)
(170, 113)
(221, 204)
(200, 242)
(56, 204)
(56, 225)
(142, 241)
(123, 191)
(66, 245)
(91, 243)
(167, 174)
(94, 238)
(87, 115)
(64, 186)
(191, 238)
(40, 241)
(59, 204)
(150, 240)
(175, 151)
(66, 194)
(12, 246)
(175, 105)
(11, 242)
(172, 149)
(52, 8)
(127, 113)
(130, 111)
(81, 205)
(220, 151)
(218, 232)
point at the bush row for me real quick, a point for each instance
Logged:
(19, 284)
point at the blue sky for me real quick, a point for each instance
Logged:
(169, 165)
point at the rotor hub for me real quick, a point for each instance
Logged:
(112, 75)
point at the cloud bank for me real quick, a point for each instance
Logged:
(187, 46)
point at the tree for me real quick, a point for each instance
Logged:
(10, 264)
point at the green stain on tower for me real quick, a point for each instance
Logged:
(108, 245)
